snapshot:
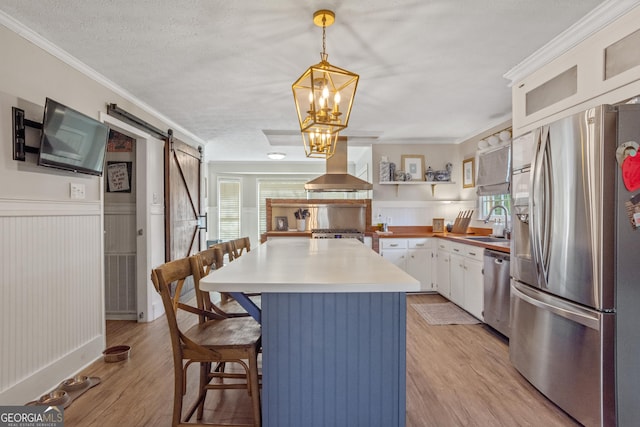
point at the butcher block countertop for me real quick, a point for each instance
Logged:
(407, 232)
(404, 232)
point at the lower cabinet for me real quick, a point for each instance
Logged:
(452, 269)
(415, 256)
(457, 279)
(474, 288)
(467, 280)
(443, 269)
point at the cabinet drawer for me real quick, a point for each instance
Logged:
(443, 245)
(423, 243)
(393, 243)
(457, 248)
(468, 251)
(473, 252)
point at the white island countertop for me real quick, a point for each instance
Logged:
(310, 265)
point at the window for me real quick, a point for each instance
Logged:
(229, 208)
(277, 189)
(485, 203)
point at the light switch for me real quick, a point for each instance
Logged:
(77, 191)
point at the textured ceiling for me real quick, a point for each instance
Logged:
(430, 70)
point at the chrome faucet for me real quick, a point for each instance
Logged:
(506, 218)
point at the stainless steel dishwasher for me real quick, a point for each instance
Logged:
(496, 291)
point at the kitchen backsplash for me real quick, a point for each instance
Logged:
(422, 213)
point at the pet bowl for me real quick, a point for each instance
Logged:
(55, 398)
(76, 383)
(117, 353)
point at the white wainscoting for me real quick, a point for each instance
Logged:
(52, 306)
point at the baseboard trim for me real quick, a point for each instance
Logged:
(49, 377)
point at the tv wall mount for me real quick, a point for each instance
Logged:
(20, 148)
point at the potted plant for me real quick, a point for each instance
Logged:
(301, 216)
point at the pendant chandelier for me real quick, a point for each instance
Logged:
(323, 96)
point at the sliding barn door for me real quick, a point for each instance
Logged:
(182, 199)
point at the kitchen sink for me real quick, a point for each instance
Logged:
(488, 239)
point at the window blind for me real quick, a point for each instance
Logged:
(494, 169)
(229, 209)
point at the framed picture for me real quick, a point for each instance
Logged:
(282, 224)
(413, 164)
(468, 173)
(438, 225)
(119, 143)
(119, 177)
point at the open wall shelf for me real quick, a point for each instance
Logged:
(432, 183)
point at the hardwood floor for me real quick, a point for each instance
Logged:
(460, 375)
(457, 375)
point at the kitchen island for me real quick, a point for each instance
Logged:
(334, 331)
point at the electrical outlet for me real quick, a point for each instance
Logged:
(77, 191)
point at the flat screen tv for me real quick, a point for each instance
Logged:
(71, 140)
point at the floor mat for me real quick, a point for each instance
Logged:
(444, 314)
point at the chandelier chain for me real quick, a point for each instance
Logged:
(324, 37)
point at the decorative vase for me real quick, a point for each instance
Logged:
(429, 175)
(302, 224)
(384, 172)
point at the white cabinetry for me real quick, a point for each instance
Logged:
(467, 278)
(415, 256)
(443, 271)
(457, 278)
(394, 251)
(474, 287)
(603, 69)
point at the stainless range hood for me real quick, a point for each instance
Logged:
(337, 178)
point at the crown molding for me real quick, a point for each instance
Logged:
(594, 21)
(28, 34)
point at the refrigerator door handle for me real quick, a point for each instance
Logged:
(574, 314)
(537, 207)
(547, 209)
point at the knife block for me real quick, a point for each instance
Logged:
(462, 222)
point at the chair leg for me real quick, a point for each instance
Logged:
(178, 394)
(202, 392)
(204, 380)
(255, 387)
(224, 297)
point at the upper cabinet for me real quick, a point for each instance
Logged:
(596, 61)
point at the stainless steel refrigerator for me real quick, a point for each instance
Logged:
(575, 267)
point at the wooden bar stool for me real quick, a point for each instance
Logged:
(216, 340)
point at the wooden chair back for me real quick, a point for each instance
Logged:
(238, 246)
(227, 250)
(202, 263)
(183, 348)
